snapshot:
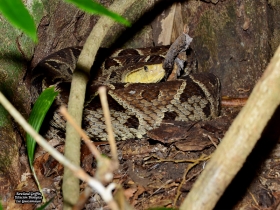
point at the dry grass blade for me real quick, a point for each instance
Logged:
(109, 128)
(86, 139)
(105, 166)
(106, 193)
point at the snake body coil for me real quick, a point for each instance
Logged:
(135, 107)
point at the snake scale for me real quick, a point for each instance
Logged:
(135, 107)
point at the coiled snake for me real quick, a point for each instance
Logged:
(135, 107)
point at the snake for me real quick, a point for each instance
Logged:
(139, 97)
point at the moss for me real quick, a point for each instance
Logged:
(214, 26)
(249, 7)
(16, 50)
(274, 3)
(8, 149)
(205, 38)
(37, 11)
(132, 14)
(275, 40)
(3, 116)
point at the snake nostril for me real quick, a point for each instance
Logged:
(146, 68)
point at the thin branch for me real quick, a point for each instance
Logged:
(105, 166)
(109, 128)
(99, 31)
(70, 186)
(72, 151)
(106, 193)
(84, 136)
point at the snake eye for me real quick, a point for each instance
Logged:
(146, 68)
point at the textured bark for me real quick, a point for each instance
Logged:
(15, 51)
(233, 39)
(62, 26)
(239, 141)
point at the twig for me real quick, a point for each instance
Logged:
(105, 166)
(106, 193)
(233, 102)
(160, 160)
(239, 140)
(70, 186)
(86, 139)
(163, 186)
(109, 128)
(203, 157)
(253, 197)
(211, 139)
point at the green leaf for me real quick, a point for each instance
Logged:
(45, 205)
(37, 116)
(18, 15)
(92, 7)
